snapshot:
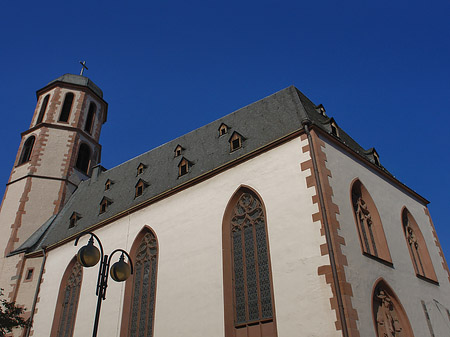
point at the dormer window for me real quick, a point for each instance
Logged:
(223, 129)
(376, 158)
(104, 204)
(321, 109)
(235, 141)
(140, 169)
(74, 219)
(178, 150)
(140, 186)
(108, 184)
(334, 128)
(183, 167)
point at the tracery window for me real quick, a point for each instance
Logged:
(27, 149)
(389, 316)
(250, 312)
(90, 118)
(67, 303)
(370, 228)
(139, 309)
(67, 106)
(43, 109)
(418, 251)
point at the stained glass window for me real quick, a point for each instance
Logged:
(251, 272)
(69, 294)
(142, 310)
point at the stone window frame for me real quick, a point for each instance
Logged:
(73, 276)
(127, 311)
(372, 236)
(29, 274)
(417, 247)
(90, 118)
(84, 159)
(43, 109)
(400, 318)
(266, 327)
(66, 108)
(27, 150)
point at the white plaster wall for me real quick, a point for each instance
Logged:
(362, 272)
(188, 225)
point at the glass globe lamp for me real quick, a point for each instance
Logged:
(89, 255)
(120, 271)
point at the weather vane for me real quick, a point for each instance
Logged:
(83, 66)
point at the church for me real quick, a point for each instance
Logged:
(268, 222)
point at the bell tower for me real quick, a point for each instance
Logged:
(55, 154)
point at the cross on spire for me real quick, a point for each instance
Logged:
(83, 66)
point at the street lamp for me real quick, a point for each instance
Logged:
(89, 255)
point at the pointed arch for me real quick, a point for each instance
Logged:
(84, 158)
(389, 316)
(140, 290)
(90, 118)
(248, 287)
(417, 247)
(67, 302)
(43, 109)
(368, 222)
(66, 108)
(26, 150)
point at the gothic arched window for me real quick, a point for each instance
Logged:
(140, 290)
(90, 118)
(26, 151)
(417, 248)
(42, 111)
(67, 106)
(84, 158)
(368, 221)
(248, 293)
(388, 314)
(67, 303)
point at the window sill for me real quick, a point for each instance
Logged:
(386, 263)
(428, 279)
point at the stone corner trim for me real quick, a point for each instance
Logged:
(438, 244)
(351, 315)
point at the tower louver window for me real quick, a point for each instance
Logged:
(67, 106)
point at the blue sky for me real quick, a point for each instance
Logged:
(380, 69)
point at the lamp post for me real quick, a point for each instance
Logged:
(89, 255)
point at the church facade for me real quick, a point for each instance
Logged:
(270, 221)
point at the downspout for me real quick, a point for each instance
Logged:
(36, 293)
(326, 226)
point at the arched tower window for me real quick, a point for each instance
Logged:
(140, 290)
(388, 314)
(43, 109)
(27, 149)
(84, 158)
(248, 293)
(90, 118)
(67, 106)
(368, 222)
(417, 248)
(67, 303)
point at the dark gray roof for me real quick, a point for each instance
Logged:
(259, 124)
(77, 80)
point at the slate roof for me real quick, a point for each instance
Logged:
(259, 123)
(77, 80)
